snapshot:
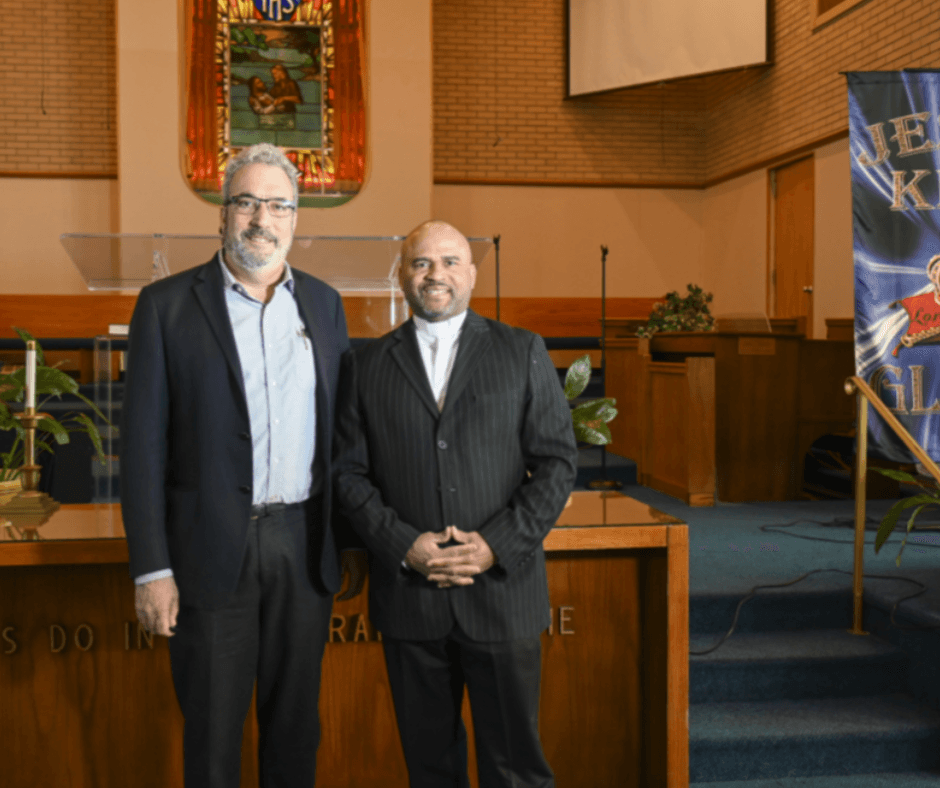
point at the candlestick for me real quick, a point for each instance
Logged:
(31, 508)
(31, 374)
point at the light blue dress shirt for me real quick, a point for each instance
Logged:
(276, 357)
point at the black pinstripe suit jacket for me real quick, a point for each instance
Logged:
(403, 467)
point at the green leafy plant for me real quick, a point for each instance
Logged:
(930, 497)
(51, 382)
(590, 418)
(680, 314)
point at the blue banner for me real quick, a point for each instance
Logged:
(894, 140)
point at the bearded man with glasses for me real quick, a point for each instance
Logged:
(226, 432)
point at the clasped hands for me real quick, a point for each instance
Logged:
(450, 566)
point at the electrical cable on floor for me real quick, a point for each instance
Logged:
(838, 522)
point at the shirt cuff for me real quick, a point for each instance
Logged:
(150, 576)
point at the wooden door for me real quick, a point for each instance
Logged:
(791, 247)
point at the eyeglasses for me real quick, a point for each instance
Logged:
(247, 205)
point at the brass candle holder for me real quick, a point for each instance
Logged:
(30, 508)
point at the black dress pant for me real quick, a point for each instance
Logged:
(273, 629)
(502, 679)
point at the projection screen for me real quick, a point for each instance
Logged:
(622, 43)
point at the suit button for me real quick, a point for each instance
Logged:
(244, 488)
(442, 444)
(245, 436)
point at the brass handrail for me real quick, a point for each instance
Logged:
(855, 385)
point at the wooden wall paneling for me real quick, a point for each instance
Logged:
(666, 428)
(66, 715)
(824, 407)
(622, 380)
(840, 328)
(642, 409)
(86, 315)
(562, 359)
(63, 712)
(78, 363)
(655, 657)
(677, 676)
(756, 395)
(791, 261)
(89, 314)
(563, 317)
(824, 366)
(625, 327)
(678, 428)
(591, 717)
(788, 325)
(700, 449)
(360, 746)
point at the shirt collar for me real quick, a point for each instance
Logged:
(287, 279)
(441, 329)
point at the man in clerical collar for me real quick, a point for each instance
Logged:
(455, 455)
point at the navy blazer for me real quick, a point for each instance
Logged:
(403, 468)
(186, 451)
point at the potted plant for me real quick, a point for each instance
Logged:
(50, 382)
(680, 314)
(930, 497)
(590, 418)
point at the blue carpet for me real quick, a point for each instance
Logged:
(896, 780)
(791, 698)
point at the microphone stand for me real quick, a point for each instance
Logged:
(496, 244)
(603, 483)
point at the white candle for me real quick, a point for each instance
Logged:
(31, 375)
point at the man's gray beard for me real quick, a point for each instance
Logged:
(244, 258)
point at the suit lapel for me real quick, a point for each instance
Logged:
(209, 292)
(474, 343)
(405, 352)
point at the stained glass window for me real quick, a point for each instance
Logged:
(288, 72)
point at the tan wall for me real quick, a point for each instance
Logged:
(551, 237)
(397, 194)
(659, 239)
(834, 285)
(35, 212)
(151, 194)
(735, 240)
(734, 244)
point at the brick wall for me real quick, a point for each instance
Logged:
(694, 131)
(802, 98)
(58, 87)
(500, 113)
(499, 83)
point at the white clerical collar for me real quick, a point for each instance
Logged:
(441, 329)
